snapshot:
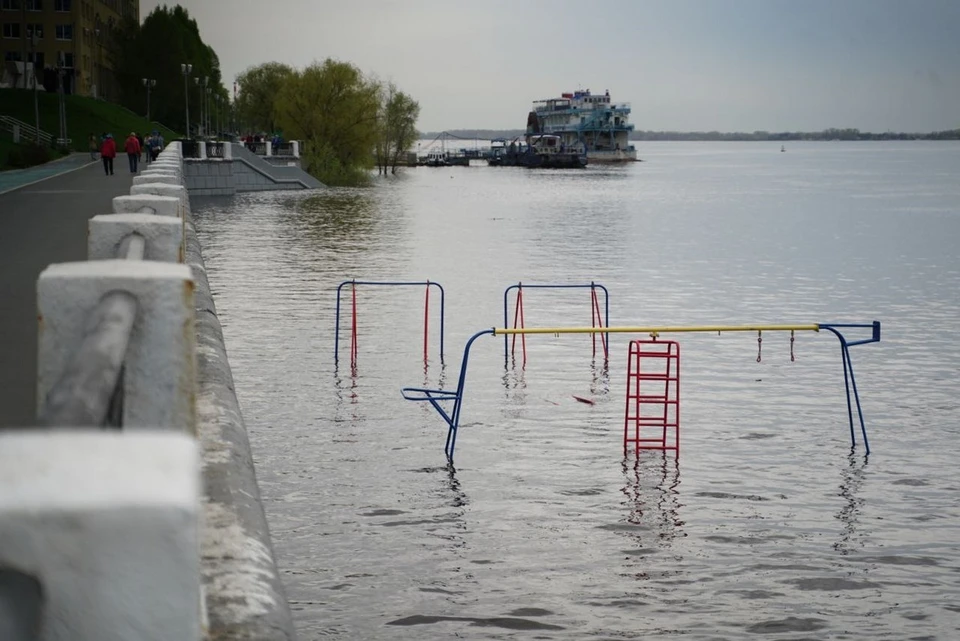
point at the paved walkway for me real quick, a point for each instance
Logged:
(16, 178)
(41, 223)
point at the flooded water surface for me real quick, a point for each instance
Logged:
(767, 524)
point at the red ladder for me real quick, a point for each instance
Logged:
(653, 396)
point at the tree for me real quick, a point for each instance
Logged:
(259, 87)
(397, 127)
(333, 109)
(156, 49)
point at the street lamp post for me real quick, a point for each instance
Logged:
(62, 103)
(185, 69)
(34, 37)
(96, 32)
(149, 83)
(202, 85)
(207, 91)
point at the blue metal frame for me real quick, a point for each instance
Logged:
(336, 334)
(849, 380)
(592, 285)
(435, 396)
(452, 419)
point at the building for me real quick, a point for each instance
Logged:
(76, 33)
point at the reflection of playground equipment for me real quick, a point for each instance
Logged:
(596, 319)
(436, 397)
(652, 494)
(653, 396)
(353, 316)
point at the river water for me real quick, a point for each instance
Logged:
(767, 525)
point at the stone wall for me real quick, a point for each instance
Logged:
(209, 177)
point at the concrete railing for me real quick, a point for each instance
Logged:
(153, 530)
(268, 148)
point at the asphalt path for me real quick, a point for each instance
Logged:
(42, 223)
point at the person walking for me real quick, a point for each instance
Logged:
(132, 147)
(94, 145)
(108, 151)
(156, 146)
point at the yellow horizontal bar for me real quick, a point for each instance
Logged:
(501, 331)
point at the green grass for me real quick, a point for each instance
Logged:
(6, 146)
(18, 156)
(85, 116)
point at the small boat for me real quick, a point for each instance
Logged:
(436, 159)
(782, 148)
(544, 151)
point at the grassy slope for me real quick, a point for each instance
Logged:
(84, 116)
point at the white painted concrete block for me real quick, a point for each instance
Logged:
(269, 148)
(295, 145)
(160, 189)
(163, 234)
(160, 379)
(164, 170)
(161, 205)
(156, 177)
(165, 165)
(108, 523)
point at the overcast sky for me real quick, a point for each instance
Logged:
(728, 65)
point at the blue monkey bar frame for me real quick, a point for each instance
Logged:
(518, 308)
(425, 283)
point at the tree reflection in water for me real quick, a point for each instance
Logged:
(336, 219)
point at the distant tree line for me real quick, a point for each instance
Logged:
(348, 122)
(826, 134)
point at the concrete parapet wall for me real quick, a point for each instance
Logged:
(160, 376)
(109, 535)
(245, 597)
(210, 177)
(106, 523)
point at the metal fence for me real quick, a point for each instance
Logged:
(190, 148)
(259, 148)
(215, 149)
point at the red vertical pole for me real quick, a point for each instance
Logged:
(518, 314)
(626, 410)
(353, 329)
(599, 317)
(426, 320)
(593, 317)
(523, 337)
(676, 442)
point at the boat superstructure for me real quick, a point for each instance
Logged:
(588, 122)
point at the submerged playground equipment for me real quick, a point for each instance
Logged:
(354, 348)
(597, 319)
(652, 403)
(668, 400)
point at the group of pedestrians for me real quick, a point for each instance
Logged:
(134, 146)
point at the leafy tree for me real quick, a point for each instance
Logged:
(167, 38)
(397, 127)
(259, 87)
(333, 108)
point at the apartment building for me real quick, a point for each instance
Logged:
(75, 33)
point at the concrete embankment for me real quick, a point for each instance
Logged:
(245, 597)
(155, 529)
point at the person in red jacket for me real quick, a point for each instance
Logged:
(132, 147)
(108, 151)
